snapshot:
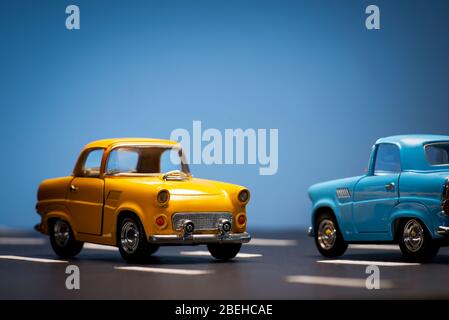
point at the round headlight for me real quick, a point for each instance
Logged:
(243, 196)
(163, 196)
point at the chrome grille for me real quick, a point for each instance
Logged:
(201, 220)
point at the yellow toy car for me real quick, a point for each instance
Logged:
(138, 194)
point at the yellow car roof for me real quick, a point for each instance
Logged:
(105, 143)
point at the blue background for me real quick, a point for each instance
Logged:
(143, 68)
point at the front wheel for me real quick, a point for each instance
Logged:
(132, 242)
(415, 242)
(62, 240)
(328, 238)
(224, 251)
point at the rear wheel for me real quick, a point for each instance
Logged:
(132, 242)
(224, 251)
(62, 240)
(328, 238)
(415, 241)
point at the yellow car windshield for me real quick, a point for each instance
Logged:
(145, 160)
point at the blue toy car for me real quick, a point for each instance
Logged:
(403, 198)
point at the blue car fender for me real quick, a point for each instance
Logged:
(337, 210)
(411, 209)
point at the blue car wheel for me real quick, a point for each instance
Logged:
(328, 238)
(415, 241)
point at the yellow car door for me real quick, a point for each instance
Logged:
(85, 195)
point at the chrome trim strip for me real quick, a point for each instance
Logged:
(343, 193)
(442, 230)
(243, 237)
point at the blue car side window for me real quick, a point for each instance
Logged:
(387, 160)
(437, 154)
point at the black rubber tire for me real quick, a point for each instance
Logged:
(71, 248)
(144, 249)
(224, 251)
(429, 248)
(340, 245)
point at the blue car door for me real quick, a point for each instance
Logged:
(376, 194)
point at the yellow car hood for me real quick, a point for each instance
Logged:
(190, 187)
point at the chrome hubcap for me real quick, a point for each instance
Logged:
(61, 232)
(413, 235)
(327, 234)
(129, 237)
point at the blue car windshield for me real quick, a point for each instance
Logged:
(437, 154)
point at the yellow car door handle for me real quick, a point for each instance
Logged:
(73, 188)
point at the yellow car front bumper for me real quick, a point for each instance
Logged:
(193, 239)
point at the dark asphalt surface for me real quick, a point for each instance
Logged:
(254, 277)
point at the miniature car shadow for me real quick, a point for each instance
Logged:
(391, 257)
(383, 257)
(163, 260)
(440, 259)
(370, 256)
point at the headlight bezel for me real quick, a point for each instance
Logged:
(163, 197)
(243, 196)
